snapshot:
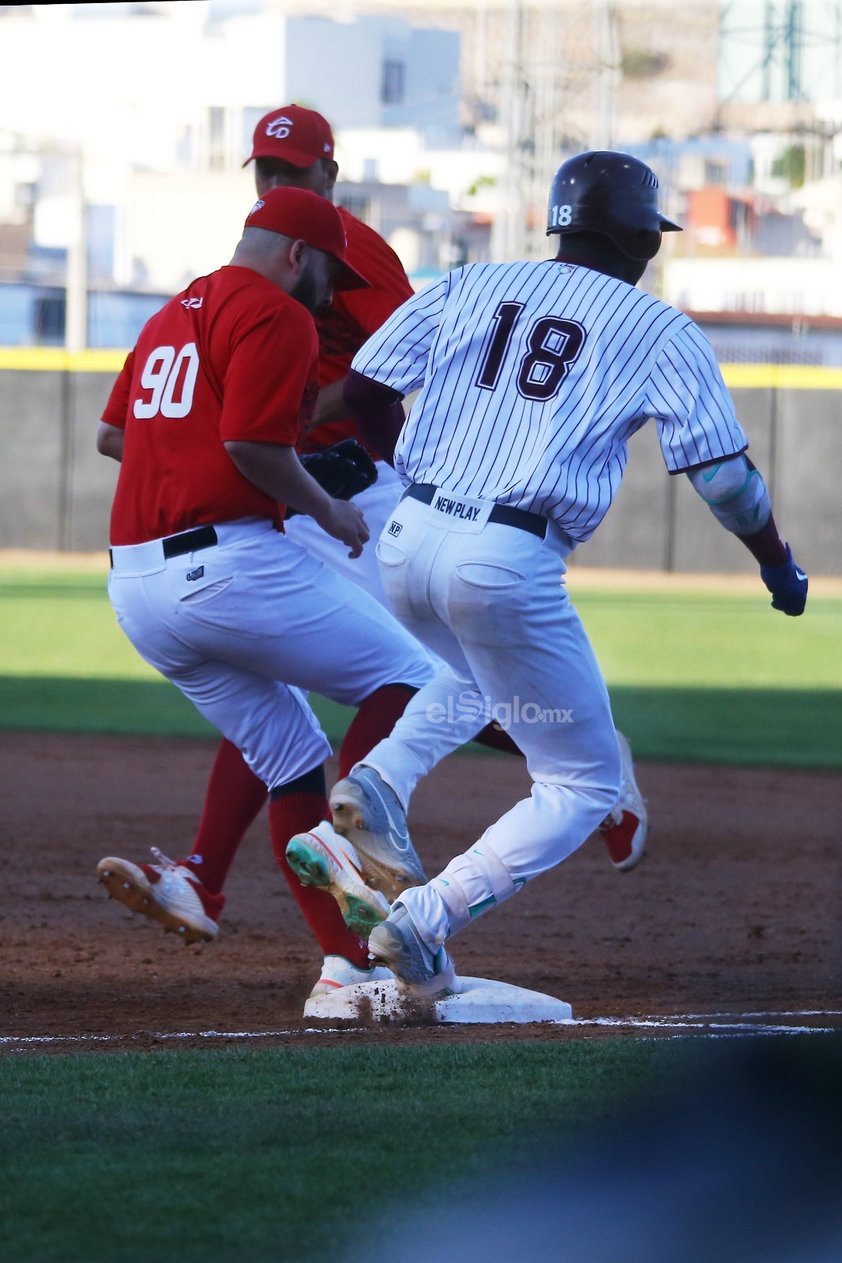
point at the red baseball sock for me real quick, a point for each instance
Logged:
(233, 800)
(375, 718)
(297, 813)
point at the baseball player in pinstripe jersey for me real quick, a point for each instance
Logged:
(532, 378)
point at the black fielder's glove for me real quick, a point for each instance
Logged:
(788, 585)
(343, 470)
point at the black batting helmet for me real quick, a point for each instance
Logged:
(613, 194)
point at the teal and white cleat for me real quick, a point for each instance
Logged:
(325, 859)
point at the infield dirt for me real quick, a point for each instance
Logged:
(735, 909)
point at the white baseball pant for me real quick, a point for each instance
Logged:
(490, 600)
(243, 626)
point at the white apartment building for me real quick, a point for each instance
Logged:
(144, 114)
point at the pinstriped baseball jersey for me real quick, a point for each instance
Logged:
(532, 378)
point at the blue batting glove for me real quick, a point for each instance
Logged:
(788, 585)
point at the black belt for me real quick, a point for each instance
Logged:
(188, 542)
(502, 514)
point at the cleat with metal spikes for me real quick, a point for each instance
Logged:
(165, 892)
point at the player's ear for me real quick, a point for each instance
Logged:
(298, 254)
(331, 171)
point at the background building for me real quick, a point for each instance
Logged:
(125, 126)
(143, 155)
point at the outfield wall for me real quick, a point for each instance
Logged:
(55, 490)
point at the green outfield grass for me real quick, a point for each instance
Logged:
(694, 675)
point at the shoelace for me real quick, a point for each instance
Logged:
(612, 820)
(163, 861)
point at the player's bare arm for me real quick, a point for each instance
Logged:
(330, 405)
(109, 440)
(276, 470)
(378, 411)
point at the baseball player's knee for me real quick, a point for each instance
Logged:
(601, 794)
(576, 804)
(312, 782)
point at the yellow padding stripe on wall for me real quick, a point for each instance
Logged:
(781, 377)
(54, 359)
(49, 359)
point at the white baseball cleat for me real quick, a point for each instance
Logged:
(324, 858)
(165, 892)
(337, 972)
(421, 971)
(625, 827)
(369, 814)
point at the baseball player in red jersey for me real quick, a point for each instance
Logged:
(532, 377)
(204, 419)
(293, 147)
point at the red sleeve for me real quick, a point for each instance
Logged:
(272, 369)
(381, 267)
(118, 400)
(353, 316)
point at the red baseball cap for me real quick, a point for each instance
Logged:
(305, 216)
(294, 134)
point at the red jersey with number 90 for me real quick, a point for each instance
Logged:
(233, 357)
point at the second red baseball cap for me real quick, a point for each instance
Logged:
(294, 134)
(306, 216)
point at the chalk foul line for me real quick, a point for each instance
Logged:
(756, 1023)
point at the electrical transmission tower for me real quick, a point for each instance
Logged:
(558, 79)
(781, 51)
